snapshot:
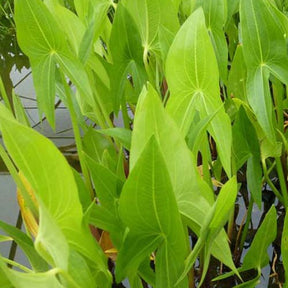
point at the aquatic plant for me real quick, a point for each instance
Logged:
(201, 88)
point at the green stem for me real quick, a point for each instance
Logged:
(15, 264)
(147, 66)
(13, 247)
(5, 96)
(205, 165)
(269, 182)
(125, 114)
(246, 226)
(278, 93)
(282, 180)
(231, 224)
(77, 137)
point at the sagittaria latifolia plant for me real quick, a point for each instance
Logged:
(202, 89)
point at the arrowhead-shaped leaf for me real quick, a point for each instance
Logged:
(264, 50)
(61, 216)
(194, 197)
(44, 42)
(148, 208)
(193, 80)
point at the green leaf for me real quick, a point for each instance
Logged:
(146, 14)
(20, 113)
(246, 147)
(215, 16)
(196, 134)
(26, 245)
(4, 238)
(29, 280)
(194, 197)
(148, 208)
(156, 20)
(264, 50)
(107, 184)
(120, 134)
(257, 256)
(60, 209)
(4, 281)
(44, 42)
(95, 144)
(193, 77)
(127, 53)
(98, 10)
(237, 76)
(69, 23)
(284, 247)
(214, 221)
(80, 269)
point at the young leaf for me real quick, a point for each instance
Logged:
(192, 75)
(148, 208)
(120, 134)
(216, 218)
(264, 50)
(257, 256)
(127, 53)
(237, 76)
(246, 147)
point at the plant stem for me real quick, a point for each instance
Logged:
(13, 247)
(246, 226)
(15, 264)
(270, 183)
(125, 114)
(283, 182)
(77, 136)
(5, 96)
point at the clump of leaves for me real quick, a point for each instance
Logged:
(201, 89)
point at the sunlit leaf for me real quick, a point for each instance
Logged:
(59, 206)
(148, 208)
(194, 197)
(26, 245)
(215, 16)
(42, 40)
(127, 53)
(264, 50)
(193, 78)
(284, 247)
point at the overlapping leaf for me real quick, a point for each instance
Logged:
(148, 208)
(56, 191)
(127, 53)
(264, 50)
(157, 22)
(194, 197)
(42, 40)
(193, 78)
(215, 15)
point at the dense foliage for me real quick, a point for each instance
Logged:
(201, 86)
